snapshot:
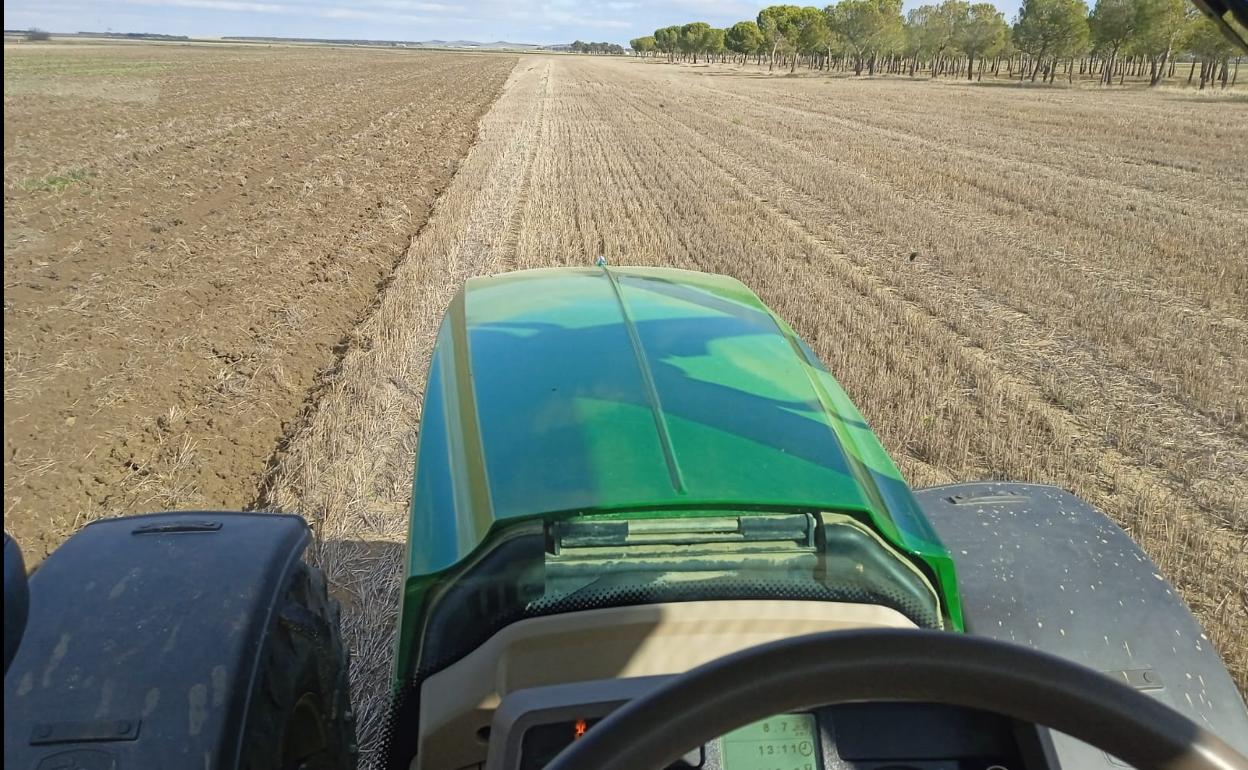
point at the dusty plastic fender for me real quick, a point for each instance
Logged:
(142, 641)
(1039, 567)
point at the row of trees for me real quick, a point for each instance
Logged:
(601, 48)
(963, 39)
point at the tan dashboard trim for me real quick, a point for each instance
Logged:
(608, 643)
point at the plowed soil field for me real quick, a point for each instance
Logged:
(190, 234)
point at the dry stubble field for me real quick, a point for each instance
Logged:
(1075, 312)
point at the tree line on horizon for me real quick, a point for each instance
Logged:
(578, 46)
(1113, 40)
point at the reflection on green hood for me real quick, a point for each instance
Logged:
(642, 391)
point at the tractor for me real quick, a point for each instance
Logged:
(648, 530)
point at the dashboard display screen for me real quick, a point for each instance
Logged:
(543, 743)
(782, 742)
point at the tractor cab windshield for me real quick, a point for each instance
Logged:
(600, 561)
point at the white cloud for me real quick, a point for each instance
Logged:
(384, 11)
(217, 5)
(409, 5)
(541, 21)
(361, 15)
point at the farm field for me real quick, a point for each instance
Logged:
(1073, 313)
(189, 233)
(1044, 284)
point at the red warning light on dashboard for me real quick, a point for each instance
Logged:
(579, 729)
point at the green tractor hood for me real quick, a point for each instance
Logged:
(563, 392)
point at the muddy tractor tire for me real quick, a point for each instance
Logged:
(300, 717)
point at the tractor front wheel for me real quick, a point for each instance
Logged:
(300, 716)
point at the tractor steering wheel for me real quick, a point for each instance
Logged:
(654, 730)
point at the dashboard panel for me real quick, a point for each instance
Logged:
(532, 729)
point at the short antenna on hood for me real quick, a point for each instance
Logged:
(602, 252)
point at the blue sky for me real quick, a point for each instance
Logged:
(549, 21)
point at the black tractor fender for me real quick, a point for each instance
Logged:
(142, 644)
(16, 599)
(1039, 567)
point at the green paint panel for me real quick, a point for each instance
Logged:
(643, 393)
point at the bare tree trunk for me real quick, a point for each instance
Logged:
(1035, 69)
(1160, 71)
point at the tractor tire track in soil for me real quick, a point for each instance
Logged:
(348, 467)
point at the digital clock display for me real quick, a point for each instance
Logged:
(782, 742)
